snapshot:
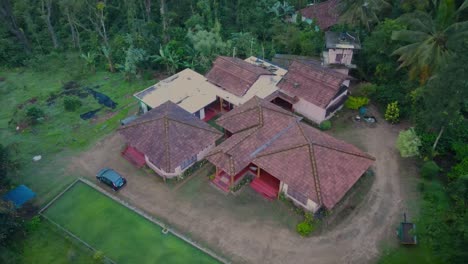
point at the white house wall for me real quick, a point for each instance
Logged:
(178, 171)
(310, 206)
(310, 110)
(160, 171)
(347, 56)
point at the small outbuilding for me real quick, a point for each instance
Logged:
(324, 14)
(170, 139)
(312, 90)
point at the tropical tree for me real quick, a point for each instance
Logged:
(430, 38)
(282, 9)
(408, 143)
(90, 59)
(169, 58)
(363, 13)
(444, 96)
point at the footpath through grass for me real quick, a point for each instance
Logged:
(120, 233)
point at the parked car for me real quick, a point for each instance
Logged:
(112, 178)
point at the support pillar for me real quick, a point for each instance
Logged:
(258, 172)
(221, 104)
(232, 180)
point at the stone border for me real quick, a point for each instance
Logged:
(137, 211)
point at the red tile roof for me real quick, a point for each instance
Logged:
(313, 163)
(311, 82)
(235, 75)
(324, 14)
(169, 135)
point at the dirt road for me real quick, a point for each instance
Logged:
(355, 239)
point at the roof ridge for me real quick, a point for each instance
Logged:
(273, 138)
(254, 129)
(260, 111)
(363, 155)
(291, 114)
(132, 124)
(315, 173)
(282, 150)
(166, 143)
(202, 128)
(249, 65)
(236, 76)
(221, 118)
(313, 165)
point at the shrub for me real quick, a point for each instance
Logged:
(356, 102)
(430, 170)
(408, 143)
(71, 103)
(98, 257)
(392, 114)
(33, 224)
(304, 228)
(366, 90)
(33, 114)
(325, 125)
(459, 170)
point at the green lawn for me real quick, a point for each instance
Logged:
(46, 245)
(121, 234)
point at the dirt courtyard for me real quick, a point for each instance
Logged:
(239, 229)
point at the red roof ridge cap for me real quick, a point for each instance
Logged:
(187, 124)
(363, 155)
(132, 124)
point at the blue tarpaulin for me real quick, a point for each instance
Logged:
(19, 195)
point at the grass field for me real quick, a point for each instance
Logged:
(46, 245)
(61, 134)
(121, 234)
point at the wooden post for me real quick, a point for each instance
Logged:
(232, 180)
(221, 104)
(217, 171)
(258, 172)
(280, 190)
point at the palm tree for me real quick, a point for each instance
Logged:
(90, 59)
(362, 12)
(430, 38)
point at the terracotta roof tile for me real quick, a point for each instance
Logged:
(168, 135)
(235, 75)
(311, 82)
(317, 165)
(323, 14)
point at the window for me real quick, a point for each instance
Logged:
(338, 58)
(297, 196)
(188, 162)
